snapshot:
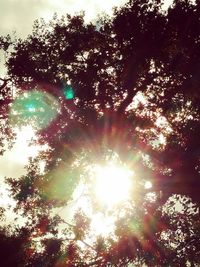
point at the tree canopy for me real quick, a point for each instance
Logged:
(125, 90)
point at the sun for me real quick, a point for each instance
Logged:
(108, 189)
(112, 184)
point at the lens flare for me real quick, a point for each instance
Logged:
(34, 108)
(58, 184)
(68, 92)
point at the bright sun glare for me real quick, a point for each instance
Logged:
(112, 184)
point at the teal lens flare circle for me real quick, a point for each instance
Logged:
(35, 108)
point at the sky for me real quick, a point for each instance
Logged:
(18, 16)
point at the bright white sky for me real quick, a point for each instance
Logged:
(19, 14)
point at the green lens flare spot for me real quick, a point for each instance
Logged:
(30, 107)
(68, 92)
(59, 184)
(35, 108)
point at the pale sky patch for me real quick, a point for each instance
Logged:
(13, 161)
(12, 165)
(19, 15)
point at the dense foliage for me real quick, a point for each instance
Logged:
(123, 89)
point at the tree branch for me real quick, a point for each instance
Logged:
(5, 82)
(131, 75)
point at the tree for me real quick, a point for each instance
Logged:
(6, 98)
(128, 85)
